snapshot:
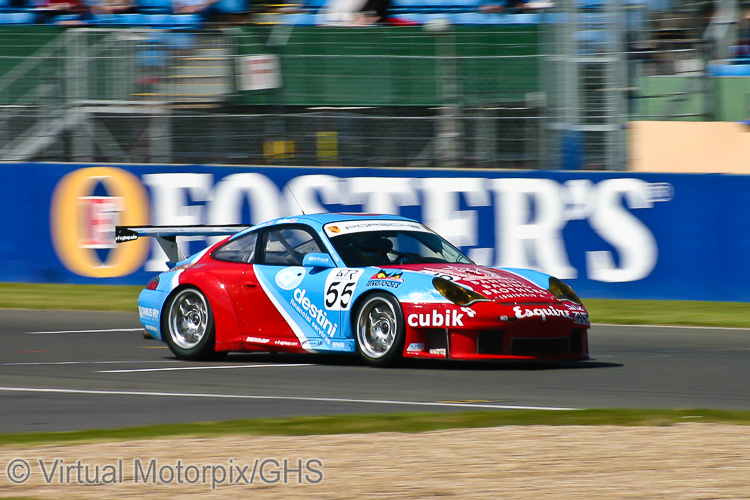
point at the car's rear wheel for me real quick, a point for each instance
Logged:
(189, 325)
(379, 329)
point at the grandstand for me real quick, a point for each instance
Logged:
(444, 85)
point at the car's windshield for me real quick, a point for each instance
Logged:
(382, 248)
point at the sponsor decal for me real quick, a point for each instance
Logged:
(384, 275)
(291, 220)
(440, 351)
(574, 307)
(82, 224)
(385, 279)
(439, 274)
(187, 265)
(339, 345)
(318, 258)
(469, 311)
(120, 238)
(581, 318)
(339, 287)
(148, 312)
(290, 277)
(489, 283)
(286, 343)
(373, 225)
(315, 316)
(436, 319)
(258, 340)
(544, 312)
(415, 347)
(151, 328)
(312, 343)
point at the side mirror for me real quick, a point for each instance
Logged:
(318, 260)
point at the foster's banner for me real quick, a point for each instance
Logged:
(609, 234)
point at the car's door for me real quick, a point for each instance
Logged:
(236, 271)
(298, 292)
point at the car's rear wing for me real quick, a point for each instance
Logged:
(167, 236)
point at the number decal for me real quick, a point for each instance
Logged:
(346, 294)
(339, 288)
(332, 294)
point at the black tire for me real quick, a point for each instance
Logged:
(379, 329)
(188, 325)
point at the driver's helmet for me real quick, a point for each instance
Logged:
(374, 250)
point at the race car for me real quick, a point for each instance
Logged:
(384, 287)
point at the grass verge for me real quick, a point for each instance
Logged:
(634, 312)
(396, 422)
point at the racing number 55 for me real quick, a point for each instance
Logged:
(339, 288)
(339, 295)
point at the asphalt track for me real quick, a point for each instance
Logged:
(82, 370)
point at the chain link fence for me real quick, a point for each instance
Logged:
(552, 90)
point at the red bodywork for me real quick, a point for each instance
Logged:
(521, 321)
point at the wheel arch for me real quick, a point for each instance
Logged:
(358, 302)
(393, 356)
(226, 326)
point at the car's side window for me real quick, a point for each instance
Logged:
(287, 246)
(240, 249)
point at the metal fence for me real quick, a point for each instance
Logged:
(553, 93)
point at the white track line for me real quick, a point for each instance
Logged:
(111, 330)
(56, 363)
(285, 398)
(219, 367)
(686, 327)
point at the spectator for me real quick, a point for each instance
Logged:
(112, 7)
(76, 11)
(357, 12)
(514, 6)
(205, 8)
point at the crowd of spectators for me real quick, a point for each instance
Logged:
(72, 12)
(335, 12)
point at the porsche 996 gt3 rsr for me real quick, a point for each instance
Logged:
(385, 287)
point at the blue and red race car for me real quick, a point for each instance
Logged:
(385, 287)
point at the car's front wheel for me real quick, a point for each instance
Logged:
(189, 325)
(380, 329)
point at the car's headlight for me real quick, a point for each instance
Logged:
(563, 291)
(457, 294)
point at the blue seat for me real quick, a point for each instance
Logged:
(470, 18)
(525, 19)
(408, 4)
(157, 20)
(232, 6)
(186, 21)
(17, 17)
(299, 19)
(154, 6)
(129, 19)
(104, 19)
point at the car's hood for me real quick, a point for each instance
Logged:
(495, 284)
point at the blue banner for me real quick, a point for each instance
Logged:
(608, 234)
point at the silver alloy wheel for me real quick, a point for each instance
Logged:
(188, 319)
(377, 327)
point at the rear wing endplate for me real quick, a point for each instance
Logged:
(167, 236)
